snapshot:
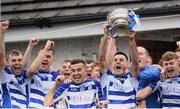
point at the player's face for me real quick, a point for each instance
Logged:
(178, 55)
(78, 73)
(15, 62)
(65, 69)
(120, 64)
(47, 61)
(171, 68)
(143, 57)
(89, 70)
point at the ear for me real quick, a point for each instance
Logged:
(149, 60)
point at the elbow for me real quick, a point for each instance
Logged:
(31, 71)
(46, 102)
(140, 96)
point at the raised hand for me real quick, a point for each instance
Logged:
(105, 28)
(49, 45)
(4, 26)
(102, 103)
(34, 41)
(131, 34)
(59, 79)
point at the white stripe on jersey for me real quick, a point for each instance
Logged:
(170, 101)
(18, 96)
(37, 96)
(115, 97)
(122, 106)
(18, 104)
(38, 106)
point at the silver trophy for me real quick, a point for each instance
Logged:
(119, 22)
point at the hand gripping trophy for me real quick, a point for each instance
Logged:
(121, 21)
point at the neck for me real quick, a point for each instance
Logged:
(81, 82)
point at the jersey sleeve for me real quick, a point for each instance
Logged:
(151, 74)
(5, 75)
(55, 74)
(154, 86)
(60, 90)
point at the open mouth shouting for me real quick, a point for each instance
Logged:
(118, 68)
(44, 62)
(67, 74)
(76, 76)
(171, 69)
(17, 69)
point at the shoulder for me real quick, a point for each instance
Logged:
(108, 73)
(7, 70)
(62, 87)
(151, 70)
(95, 82)
(55, 74)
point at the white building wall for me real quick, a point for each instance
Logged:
(70, 48)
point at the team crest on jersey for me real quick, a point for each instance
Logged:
(118, 86)
(14, 84)
(38, 83)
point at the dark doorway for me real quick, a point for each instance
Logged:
(157, 48)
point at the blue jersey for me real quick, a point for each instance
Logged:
(14, 89)
(119, 90)
(40, 84)
(169, 92)
(149, 74)
(80, 96)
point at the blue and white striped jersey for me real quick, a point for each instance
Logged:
(169, 92)
(119, 90)
(40, 84)
(81, 96)
(14, 89)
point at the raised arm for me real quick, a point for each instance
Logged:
(48, 100)
(134, 54)
(103, 49)
(3, 27)
(27, 55)
(111, 51)
(35, 65)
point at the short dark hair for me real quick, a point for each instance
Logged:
(121, 53)
(77, 61)
(89, 61)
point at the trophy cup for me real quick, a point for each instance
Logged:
(119, 22)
